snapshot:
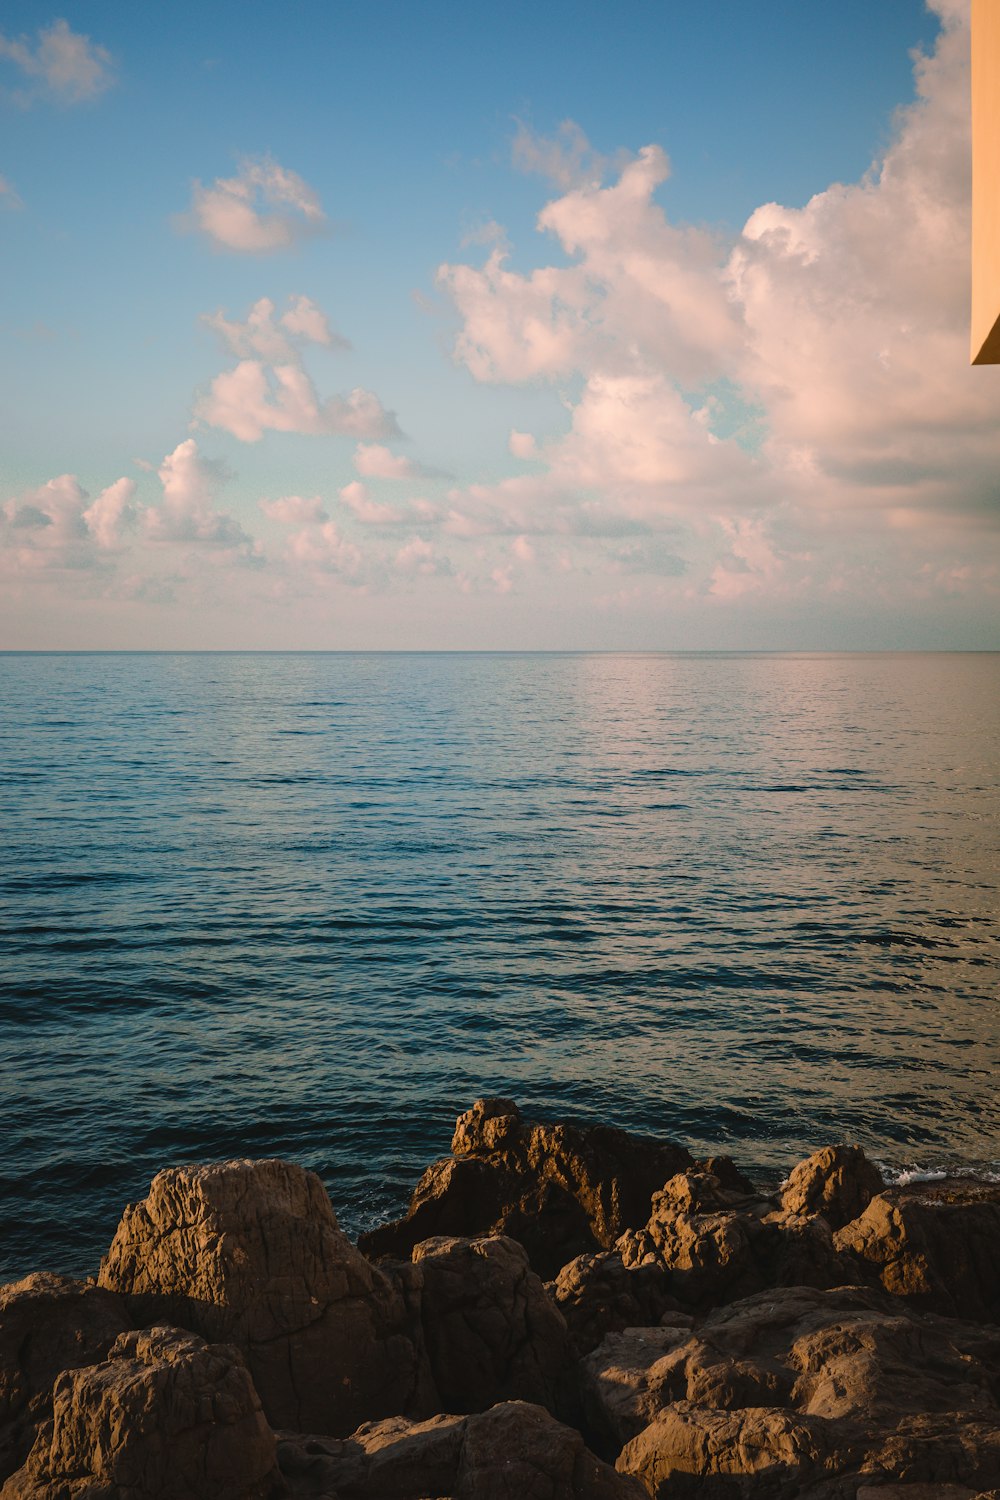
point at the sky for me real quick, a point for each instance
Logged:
(396, 326)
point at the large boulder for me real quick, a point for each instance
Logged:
(838, 1182)
(166, 1417)
(250, 1253)
(490, 1330)
(599, 1294)
(515, 1451)
(47, 1324)
(797, 1387)
(560, 1190)
(719, 1245)
(934, 1244)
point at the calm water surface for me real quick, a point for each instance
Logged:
(313, 905)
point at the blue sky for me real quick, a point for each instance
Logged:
(723, 435)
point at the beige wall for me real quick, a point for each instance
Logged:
(985, 182)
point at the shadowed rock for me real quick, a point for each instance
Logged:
(514, 1451)
(599, 1294)
(250, 1253)
(838, 1182)
(167, 1417)
(490, 1331)
(934, 1244)
(560, 1190)
(47, 1324)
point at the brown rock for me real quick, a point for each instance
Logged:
(515, 1451)
(936, 1245)
(719, 1245)
(167, 1417)
(47, 1324)
(599, 1294)
(250, 1253)
(838, 1182)
(560, 1190)
(490, 1330)
(793, 1389)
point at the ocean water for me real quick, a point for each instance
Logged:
(314, 905)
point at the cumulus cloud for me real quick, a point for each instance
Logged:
(54, 526)
(419, 557)
(276, 340)
(374, 461)
(187, 511)
(253, 399)
(775, 395)
(357, 497)
(63, 65)
(263, 209)
(293, 510)
(325, 549)
(112, 514)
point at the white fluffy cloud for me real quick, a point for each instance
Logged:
(777, 395)
(264, 208)
(294, 510)
(375, 461)
(187, 511)
(62, 65)
(276, 340)
(53, 526)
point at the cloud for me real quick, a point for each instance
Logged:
(252, 399)
(263, 209)
(187, 512)
(376, 462)
(419, 557)
(53, 526)
(325, 549)
(792, 403)
(112, 513)
(64, 65)
(9, 197)
(275, 340)
(293, 510)
(369, 512)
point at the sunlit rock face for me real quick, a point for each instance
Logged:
(47, 1324)
(838, 1182)
(250, 1252)
(560, 1190)
(166, 1416)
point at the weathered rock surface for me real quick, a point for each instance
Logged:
(167, 1417)
(490, 1330)
(795, 1388)
(598, 1294)
(937, 1245)
(250, 1253)
(47, 1324)
(719, 1245)
(515, 1451)
(838, 1182)
(560, 1190)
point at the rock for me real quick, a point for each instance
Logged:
(47, 1324)
(515, 1451)
(791, 1390)
(598, 1294)
(933, 1244)
(490, 1330)
(838, 1182)
(166, 1416)
(560, 1190)
(719, 1245)
(250, 1253)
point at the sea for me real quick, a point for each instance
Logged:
(312, 905)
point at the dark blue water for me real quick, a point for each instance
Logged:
(313, 905)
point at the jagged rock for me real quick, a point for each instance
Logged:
(792, 1389)
(560, 1190)
(167, 1417)
(47, 1324)
(720, 1245)
(515, 1451)
(250, 1253)
(599, 1294)
(838, 1182)
(934, 1244)
(728, 1174)
(490, 1331)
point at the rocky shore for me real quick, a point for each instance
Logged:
(563, 1314)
